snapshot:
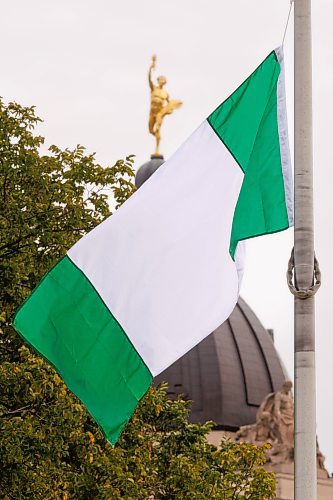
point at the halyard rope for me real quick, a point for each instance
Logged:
(285, 29)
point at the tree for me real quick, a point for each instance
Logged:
(46, 203)
(49, 445)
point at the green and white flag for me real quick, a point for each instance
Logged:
(164, 271)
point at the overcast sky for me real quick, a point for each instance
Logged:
(84, 65)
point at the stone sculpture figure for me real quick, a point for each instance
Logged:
(278, 407)
(274, 419)
(275, 424)
(160, 105)
(284, 415)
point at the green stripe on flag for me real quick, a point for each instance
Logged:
(248, 126)
(67, 322)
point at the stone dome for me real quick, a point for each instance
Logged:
(147, 169)
(229, 373)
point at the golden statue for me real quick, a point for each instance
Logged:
(160, 105)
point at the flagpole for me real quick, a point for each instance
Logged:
(305, 382)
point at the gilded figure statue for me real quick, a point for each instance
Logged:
(160, 105)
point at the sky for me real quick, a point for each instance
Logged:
(84, 65)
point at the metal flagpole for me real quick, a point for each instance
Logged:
(305, 390)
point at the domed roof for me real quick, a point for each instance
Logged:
(229, 373)
(147, 169)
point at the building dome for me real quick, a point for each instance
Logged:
(147, 169)
(229, 373)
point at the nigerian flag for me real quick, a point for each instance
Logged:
(164, 271)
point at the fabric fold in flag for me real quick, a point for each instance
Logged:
(159, 275)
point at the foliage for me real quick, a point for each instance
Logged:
(49, 445)
(46, 203)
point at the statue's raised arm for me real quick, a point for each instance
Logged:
(160, 104)
(152, 67)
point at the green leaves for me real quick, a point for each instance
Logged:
(47, 202)
(50, 447)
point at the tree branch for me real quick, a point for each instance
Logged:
(18, 410)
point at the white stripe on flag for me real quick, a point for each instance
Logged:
(174, 231)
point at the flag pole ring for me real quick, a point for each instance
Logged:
(310, 292)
